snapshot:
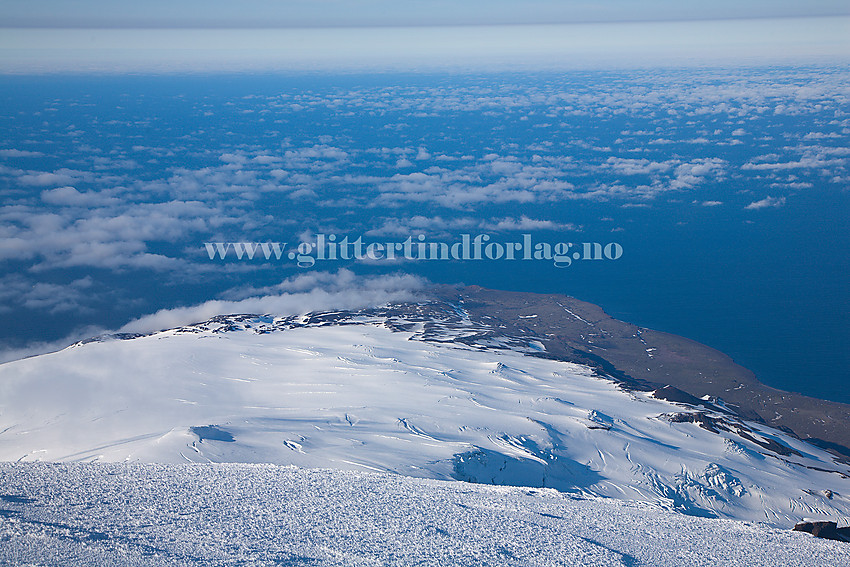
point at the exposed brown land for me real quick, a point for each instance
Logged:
(645, 359)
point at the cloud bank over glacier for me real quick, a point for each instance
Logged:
(318, 291)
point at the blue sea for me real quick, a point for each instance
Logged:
(727, 190)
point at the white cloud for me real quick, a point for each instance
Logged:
(525, 223)
(792, 185)
(316, 157)
(813, 157)
(805, 162)
(115, 237)
(14, 153)
(463, 187)
(8, 354)
(766, 202)
(235, 159)
(71, 197)
(43, 179)
(319, 291)
(694, 172)
(700, 167)
(822, 136)
(52, 298)
(684, 175)
(417, 224)
(630, 166)
(265, 159)
(55, 298)
(303, 193)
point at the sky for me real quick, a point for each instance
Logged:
(261, 13)
(609, 44)
(254, 35)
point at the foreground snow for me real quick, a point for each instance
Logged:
(235, 514)
(407, 397)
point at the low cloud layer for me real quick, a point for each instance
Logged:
(320, 291)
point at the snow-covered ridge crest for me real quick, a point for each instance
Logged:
(417, 389)
(433, 320)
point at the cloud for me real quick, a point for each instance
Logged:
(694, 172)
(813, 157)
(319, 291)
(8, 354)
(14, 153)
(630, 166)
(805, 162)
(442, 226)
(52, 298)
(419, 224)
(69, 196)
(792, 185)
(461, 188)
(525, 223)
(342, 280)
(236, 159)
(111, 238)
(317, 157)
(266, 159)
(766, 202)
(711, 203)
(55, 298)
(664, 175)
(44, 179)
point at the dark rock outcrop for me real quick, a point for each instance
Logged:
(647, 360)
(825, 530)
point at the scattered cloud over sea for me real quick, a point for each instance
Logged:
(131, 194)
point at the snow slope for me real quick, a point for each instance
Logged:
(406, 394)
(262, 515)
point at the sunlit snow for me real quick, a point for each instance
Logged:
(369, 393)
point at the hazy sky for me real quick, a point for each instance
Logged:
(217, 13)
(204, 35)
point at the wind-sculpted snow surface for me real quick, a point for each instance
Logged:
(263, 515)
(411, 390)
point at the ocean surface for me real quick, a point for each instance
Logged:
(726, 189)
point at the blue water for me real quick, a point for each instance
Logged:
(768, 286)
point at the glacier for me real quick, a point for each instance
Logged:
(136, 514)
(415, 391)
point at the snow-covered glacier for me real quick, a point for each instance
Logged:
(418, 390)
(220, 515)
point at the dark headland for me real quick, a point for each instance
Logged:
(645, 359)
